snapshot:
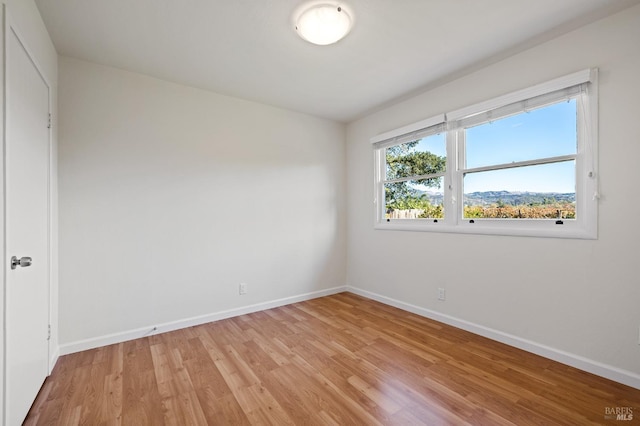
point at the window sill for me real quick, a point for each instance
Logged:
(539, 228)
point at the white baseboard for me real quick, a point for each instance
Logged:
(53, 358)
(603, 370)
(625, 377)
(110, 339)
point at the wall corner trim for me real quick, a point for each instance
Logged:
(53, 358)
(625, 377)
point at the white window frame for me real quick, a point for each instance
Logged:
(584, 226)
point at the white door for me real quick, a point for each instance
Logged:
(27, 229)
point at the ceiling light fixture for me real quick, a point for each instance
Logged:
(323, 23)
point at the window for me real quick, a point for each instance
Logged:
(412, 166)
(520, 164)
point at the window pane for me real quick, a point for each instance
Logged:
(419, 199)
(545, 132)
(544, 191)
(424, 156)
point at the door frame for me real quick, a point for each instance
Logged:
(9, 27)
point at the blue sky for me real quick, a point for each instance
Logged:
(544, 132)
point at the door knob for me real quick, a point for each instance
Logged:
(23, 261)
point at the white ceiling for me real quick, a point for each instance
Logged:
(248, 48)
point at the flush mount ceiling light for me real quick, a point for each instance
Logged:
(322, 23)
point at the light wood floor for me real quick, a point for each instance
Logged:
(337, 360)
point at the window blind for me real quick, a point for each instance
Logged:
(515, 108)
(411, 132)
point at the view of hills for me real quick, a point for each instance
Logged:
(488, 198)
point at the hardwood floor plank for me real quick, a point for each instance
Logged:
(275, 356)
(164, 373)
(141, 400)
(319, 393)
(355, 408)
(377, 394)
(223, 410)
(261, 407)
(189, 409)
(336, 360)
(289, 396)
(203, 371)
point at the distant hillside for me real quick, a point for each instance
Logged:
(517, 198)
(488, 198)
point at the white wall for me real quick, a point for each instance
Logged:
(171, 196)
(23, 15)
(580, 297)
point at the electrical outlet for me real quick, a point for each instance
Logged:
(242, 288)
(441, 294)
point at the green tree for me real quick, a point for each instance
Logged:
(404, 161)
